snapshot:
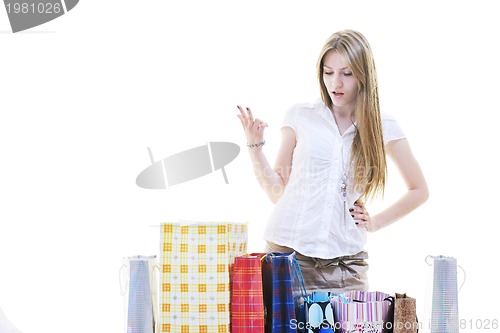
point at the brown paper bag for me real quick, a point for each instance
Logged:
(405, 314)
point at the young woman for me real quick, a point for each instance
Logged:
(332, 158)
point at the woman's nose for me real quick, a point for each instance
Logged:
(336, 82)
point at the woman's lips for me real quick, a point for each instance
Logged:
(337, 94)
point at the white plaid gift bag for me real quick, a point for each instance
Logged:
(196, 265)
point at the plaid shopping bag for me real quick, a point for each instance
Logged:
(363, 312)
(279, 298)
(247, 304)
(196, 261)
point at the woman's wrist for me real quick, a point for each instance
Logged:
(256, 144)
(373, 226)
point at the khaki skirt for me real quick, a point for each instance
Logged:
(337, 275)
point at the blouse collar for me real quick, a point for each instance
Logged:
(327, 115)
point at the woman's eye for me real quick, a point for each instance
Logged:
(328, 73)
(347, 74)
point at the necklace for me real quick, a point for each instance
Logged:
(343, 186)
(344, 178)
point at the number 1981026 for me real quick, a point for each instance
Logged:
(32, 8)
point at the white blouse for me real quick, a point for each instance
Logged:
(311, 216)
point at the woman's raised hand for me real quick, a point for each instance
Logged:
(254, 128)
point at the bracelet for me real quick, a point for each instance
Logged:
(256, 145)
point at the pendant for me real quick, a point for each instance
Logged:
(343, 187)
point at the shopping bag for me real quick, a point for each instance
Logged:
(315, 313)
(363, 312)
(138, 282)
(405, 314)
(279, 299)
(247, 300)
(197, 261)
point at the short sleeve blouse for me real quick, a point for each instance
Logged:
(311, 216)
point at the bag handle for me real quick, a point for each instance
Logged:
(390, 299)
(458, 266)
(302, 285)
(300, 277)
(123, 280)
(269, 255)
(465, 277)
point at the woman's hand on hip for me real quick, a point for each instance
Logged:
(361, 217)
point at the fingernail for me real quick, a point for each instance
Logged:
(351, 209)
(352, 215)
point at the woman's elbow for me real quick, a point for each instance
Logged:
(426, 196)
(275, 192)
(274, 197)
(423, 195)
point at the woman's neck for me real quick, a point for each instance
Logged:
(344, 118)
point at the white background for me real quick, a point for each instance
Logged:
(83, 96)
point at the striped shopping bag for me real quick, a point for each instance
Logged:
(138, 282)
(363, 312)
(196, 262)
(247, 301)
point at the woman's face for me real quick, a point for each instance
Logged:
(339, 80)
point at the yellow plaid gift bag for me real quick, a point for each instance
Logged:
(196, 264)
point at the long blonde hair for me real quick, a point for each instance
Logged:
(368, 158)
